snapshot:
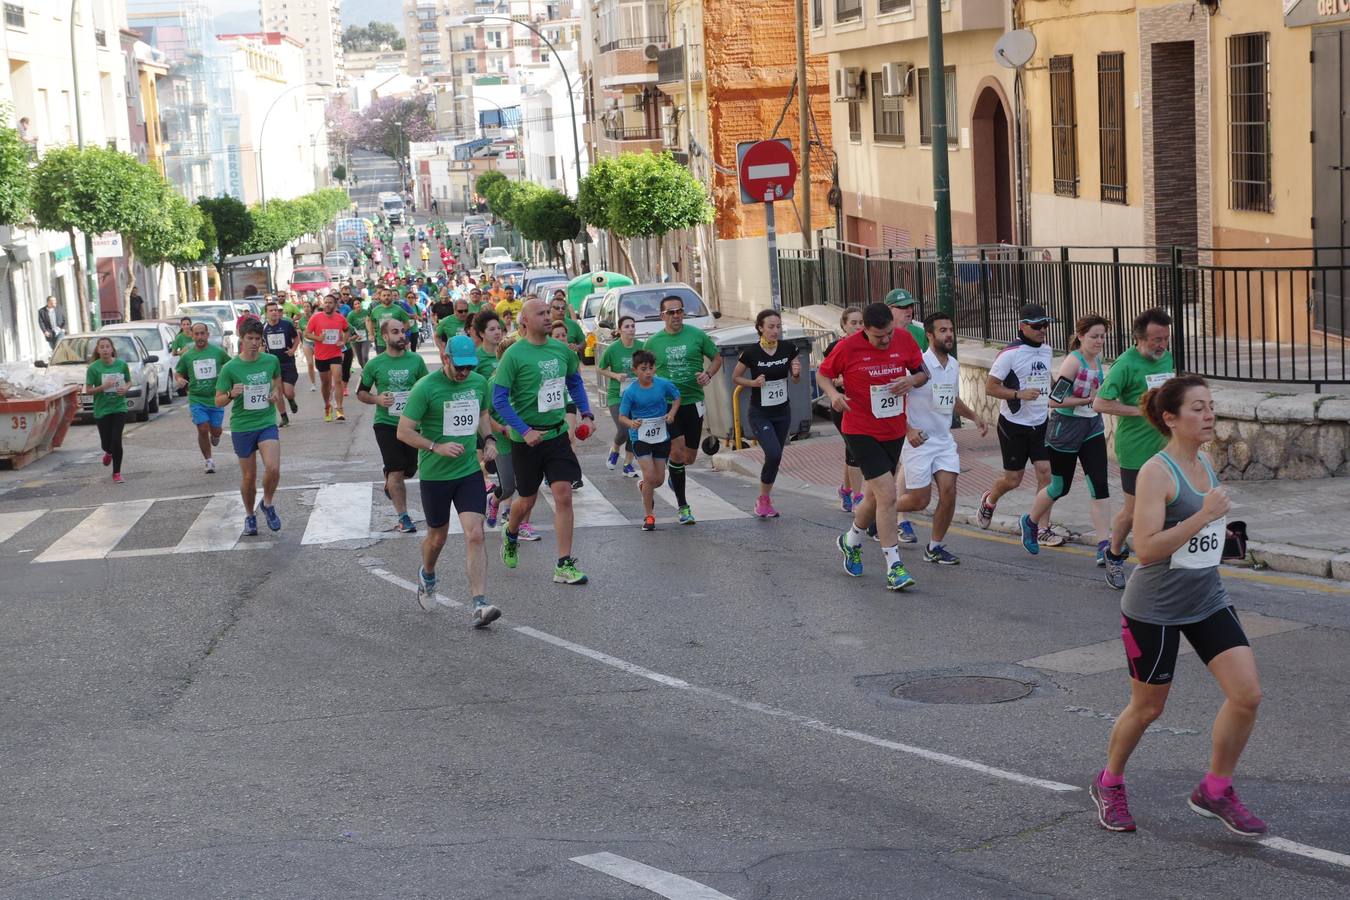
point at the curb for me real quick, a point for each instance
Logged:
(1274, 557)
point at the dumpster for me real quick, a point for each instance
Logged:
(583, 286)
(32, 424)
(717, 413)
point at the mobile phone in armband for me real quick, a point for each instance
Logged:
(1063, 386)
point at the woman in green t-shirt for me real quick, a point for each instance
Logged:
(108, 379)
(616, 366)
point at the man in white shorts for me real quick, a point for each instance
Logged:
(929, 455)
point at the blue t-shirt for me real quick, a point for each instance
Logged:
(638, 402)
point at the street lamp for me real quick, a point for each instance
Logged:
(262, 133)
(572, 103)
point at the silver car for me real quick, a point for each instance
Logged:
(156, 337)
(70, 362)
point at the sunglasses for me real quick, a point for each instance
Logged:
(464, 368)
(1038, 324)
(672, 312)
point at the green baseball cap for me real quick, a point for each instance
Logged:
(899, 297)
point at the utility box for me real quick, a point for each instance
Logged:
(717, 416)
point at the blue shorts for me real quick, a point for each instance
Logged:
(246, 442)
(207, 414)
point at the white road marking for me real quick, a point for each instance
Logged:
(1106, 656)
(589, 507)
(165, 551)
(341, 513)
(706, 505)
(12, 523)
(217, 527)
(658, 881)
(100, 532)
(1317, 853)
(614, 661)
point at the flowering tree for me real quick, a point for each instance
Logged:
(389, 124)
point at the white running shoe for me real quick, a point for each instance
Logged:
(210, 467)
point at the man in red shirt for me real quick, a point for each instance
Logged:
(879, 365)
(328, 330)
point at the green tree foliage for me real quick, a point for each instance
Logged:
(504, 197)
(595, 191)
(488, 182)
(231, 224)
(16, 179)
(371, 36)
(548, 216)
(340, 172)
(175, 237)
(279, 222)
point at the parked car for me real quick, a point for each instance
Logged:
(224, 314)
(156, 337)
(506, 270)
(643, 303)
(543, 288)
(214, 335)
(533, 276)
(70, 362)
(311, 280)
(491, 256)
(339, 264)
(588, 315)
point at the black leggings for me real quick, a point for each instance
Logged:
(771, 430)
(348, 354)
(1092, 454)
(110, 437)
(838, 419)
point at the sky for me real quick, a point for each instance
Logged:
(242, 15)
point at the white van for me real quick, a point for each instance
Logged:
(391, 205)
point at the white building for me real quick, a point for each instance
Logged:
(283, 141)
(546, 125)
(318, 26)
(37, 85)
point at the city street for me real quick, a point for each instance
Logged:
(190, 713)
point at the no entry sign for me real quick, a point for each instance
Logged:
(767, 169)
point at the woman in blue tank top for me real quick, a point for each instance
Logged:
(1176, 591)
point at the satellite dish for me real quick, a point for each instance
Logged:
(1015, 49)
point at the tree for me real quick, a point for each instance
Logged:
(16, 178)
(340, 172)
(94, 190)
(389, 124)
(372, 36)
(231, 225)
(548, 216)
(487, 183)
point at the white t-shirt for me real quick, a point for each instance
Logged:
(930, 407)
(1021, 366)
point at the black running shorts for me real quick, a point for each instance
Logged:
(552, 458)
(875, 458)
(397, 456)
(466, 495)
(1151, 650)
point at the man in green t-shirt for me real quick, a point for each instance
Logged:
(561, 312)
(387, 382)
(445, 418)
(529, 392)
(385, 308)
(451, 325)
(1146, 365)
(680, 350)
(197, 370)
(250, 382)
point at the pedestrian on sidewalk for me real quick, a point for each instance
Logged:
(765, 369)
(1175, 591)
(1076, 434)
(850, 489)
(1143, 367)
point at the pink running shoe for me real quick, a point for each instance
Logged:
(527, 533)
(764, 508)
(845, 499)
(1228, 809)
(117, 478)
(1113, 811)
(492, 508)
(107, 459)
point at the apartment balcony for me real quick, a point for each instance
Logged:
(611, 140)
(628, 61)
(633, 43)
(674, 63)
(856, 24)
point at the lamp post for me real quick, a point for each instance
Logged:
(571, 102)
(90, 282)
(262, 132)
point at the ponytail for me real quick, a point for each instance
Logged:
(1168, 399)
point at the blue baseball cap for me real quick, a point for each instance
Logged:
(462, 351)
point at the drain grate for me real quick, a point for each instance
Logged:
(964, 689)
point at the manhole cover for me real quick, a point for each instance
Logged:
(962, 689)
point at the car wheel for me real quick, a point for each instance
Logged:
(152, 405)
(167, 397)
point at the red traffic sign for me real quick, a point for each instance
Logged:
(767, 170)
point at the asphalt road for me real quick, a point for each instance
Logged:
(188, 714)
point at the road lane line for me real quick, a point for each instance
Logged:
(100, 532)
(12, 523)
(217, 527)
(1317, 853)
(341, 513)
(658, 881)
(613, 661)
(706, 505)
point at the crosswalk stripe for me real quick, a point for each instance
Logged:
(217, 526)
(100, 532)
(589, 507)
(12, 523)
(341, 513)
(705, 504)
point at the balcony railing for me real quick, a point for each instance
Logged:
(632, 43)
(633, 133)
(14, 15)
(672, 64)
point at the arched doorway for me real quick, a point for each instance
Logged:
(992, 161)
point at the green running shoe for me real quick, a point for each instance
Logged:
(568, 573)
(898, 578)
(510, 551)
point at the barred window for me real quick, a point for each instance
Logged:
(891, 6)
(1249, 122)
(847, 10)
(854, 120)
(817, 13)
(925, 117)
(1111, 124)
(1063, 127)
(888, 115)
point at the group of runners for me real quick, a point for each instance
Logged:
(501, 418)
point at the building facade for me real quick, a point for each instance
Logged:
(317, 25)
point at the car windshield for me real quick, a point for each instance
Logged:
(645, 306)
(149, 337)
(309, 277)
(212, 327)
(337, 259)
(75, 351)
(393, 204)
(222, 313)
(590, 307)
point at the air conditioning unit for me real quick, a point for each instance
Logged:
(895, 79)
(651, 52)
(848, 83)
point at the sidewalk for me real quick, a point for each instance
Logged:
(1295, 526)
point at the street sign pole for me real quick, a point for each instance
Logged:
(942, 193)
(771, 232)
